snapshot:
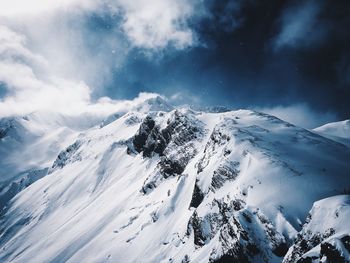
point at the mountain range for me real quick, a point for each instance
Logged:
(157, 183)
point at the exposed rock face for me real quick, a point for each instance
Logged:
(218, 138)
(175, 144)
(9, 191)
(185, 186)
(150, 139)
(11, 127)
(197, 196)
(324, 236)
(3, 133)
(143, 138)
(224, 173)
(237, 231)
(236, 228)
(69, 155)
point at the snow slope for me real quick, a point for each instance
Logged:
(29, 144)
(326, 232)
(338, 131)
(178, 185)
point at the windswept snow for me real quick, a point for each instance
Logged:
(338, 131)
(158, 184)
(325, 235)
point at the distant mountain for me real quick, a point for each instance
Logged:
(339, 131)
(162, 184)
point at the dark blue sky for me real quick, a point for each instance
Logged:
(251, 54)
(275, 56)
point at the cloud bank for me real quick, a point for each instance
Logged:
(65, 55)
(20, 71)
(55, 55)
(301, 115)
(157, 24)
(32, 87)
(300, 25)
(150, 25)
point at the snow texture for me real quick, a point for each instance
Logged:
(159, 184)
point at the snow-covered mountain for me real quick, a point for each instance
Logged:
(338, 131)
(164, 184)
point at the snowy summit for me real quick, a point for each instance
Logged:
(165, 184)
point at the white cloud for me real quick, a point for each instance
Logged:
(300, 26)
(184, 97)
(157, 23)
(147, 24)
(26, 90)
(34, 7)
(51, 60)
(300, 114)
(29, 92)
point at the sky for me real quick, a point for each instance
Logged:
(287, 58)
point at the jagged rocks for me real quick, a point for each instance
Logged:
(181, 129)
(346, 241)
(69, 155)
(218, 138)
(207, 226)
(3, 133)
(331, 250)
(131, 119)
(186, 259)
(174, 144)
(9, 191)
(172, 165)
(331, 253)
(321, 238)
(227, 171)
(280, 250)
(194, 225)
(150, 139)
(175, 163)
(12, 127)
(232, 249)
(197, 196)
(140, 138)
(237, 231)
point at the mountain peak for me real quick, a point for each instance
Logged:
(157, 103)
(339, 129)
(178, 185)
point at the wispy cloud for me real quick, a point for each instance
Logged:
(52, 57)
(301, 115)
(27, 91)
(31, 86)
(150, 25)
(18, 8)
(158, 24)
(300, 26)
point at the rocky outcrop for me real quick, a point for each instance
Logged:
(225, 172)
(175, 144)
(7, 191)
(237, 231)
(325, 235)
(69, 155)
(197, 196)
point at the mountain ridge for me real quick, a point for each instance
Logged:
(178, 185)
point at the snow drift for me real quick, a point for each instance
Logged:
(158, 184)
